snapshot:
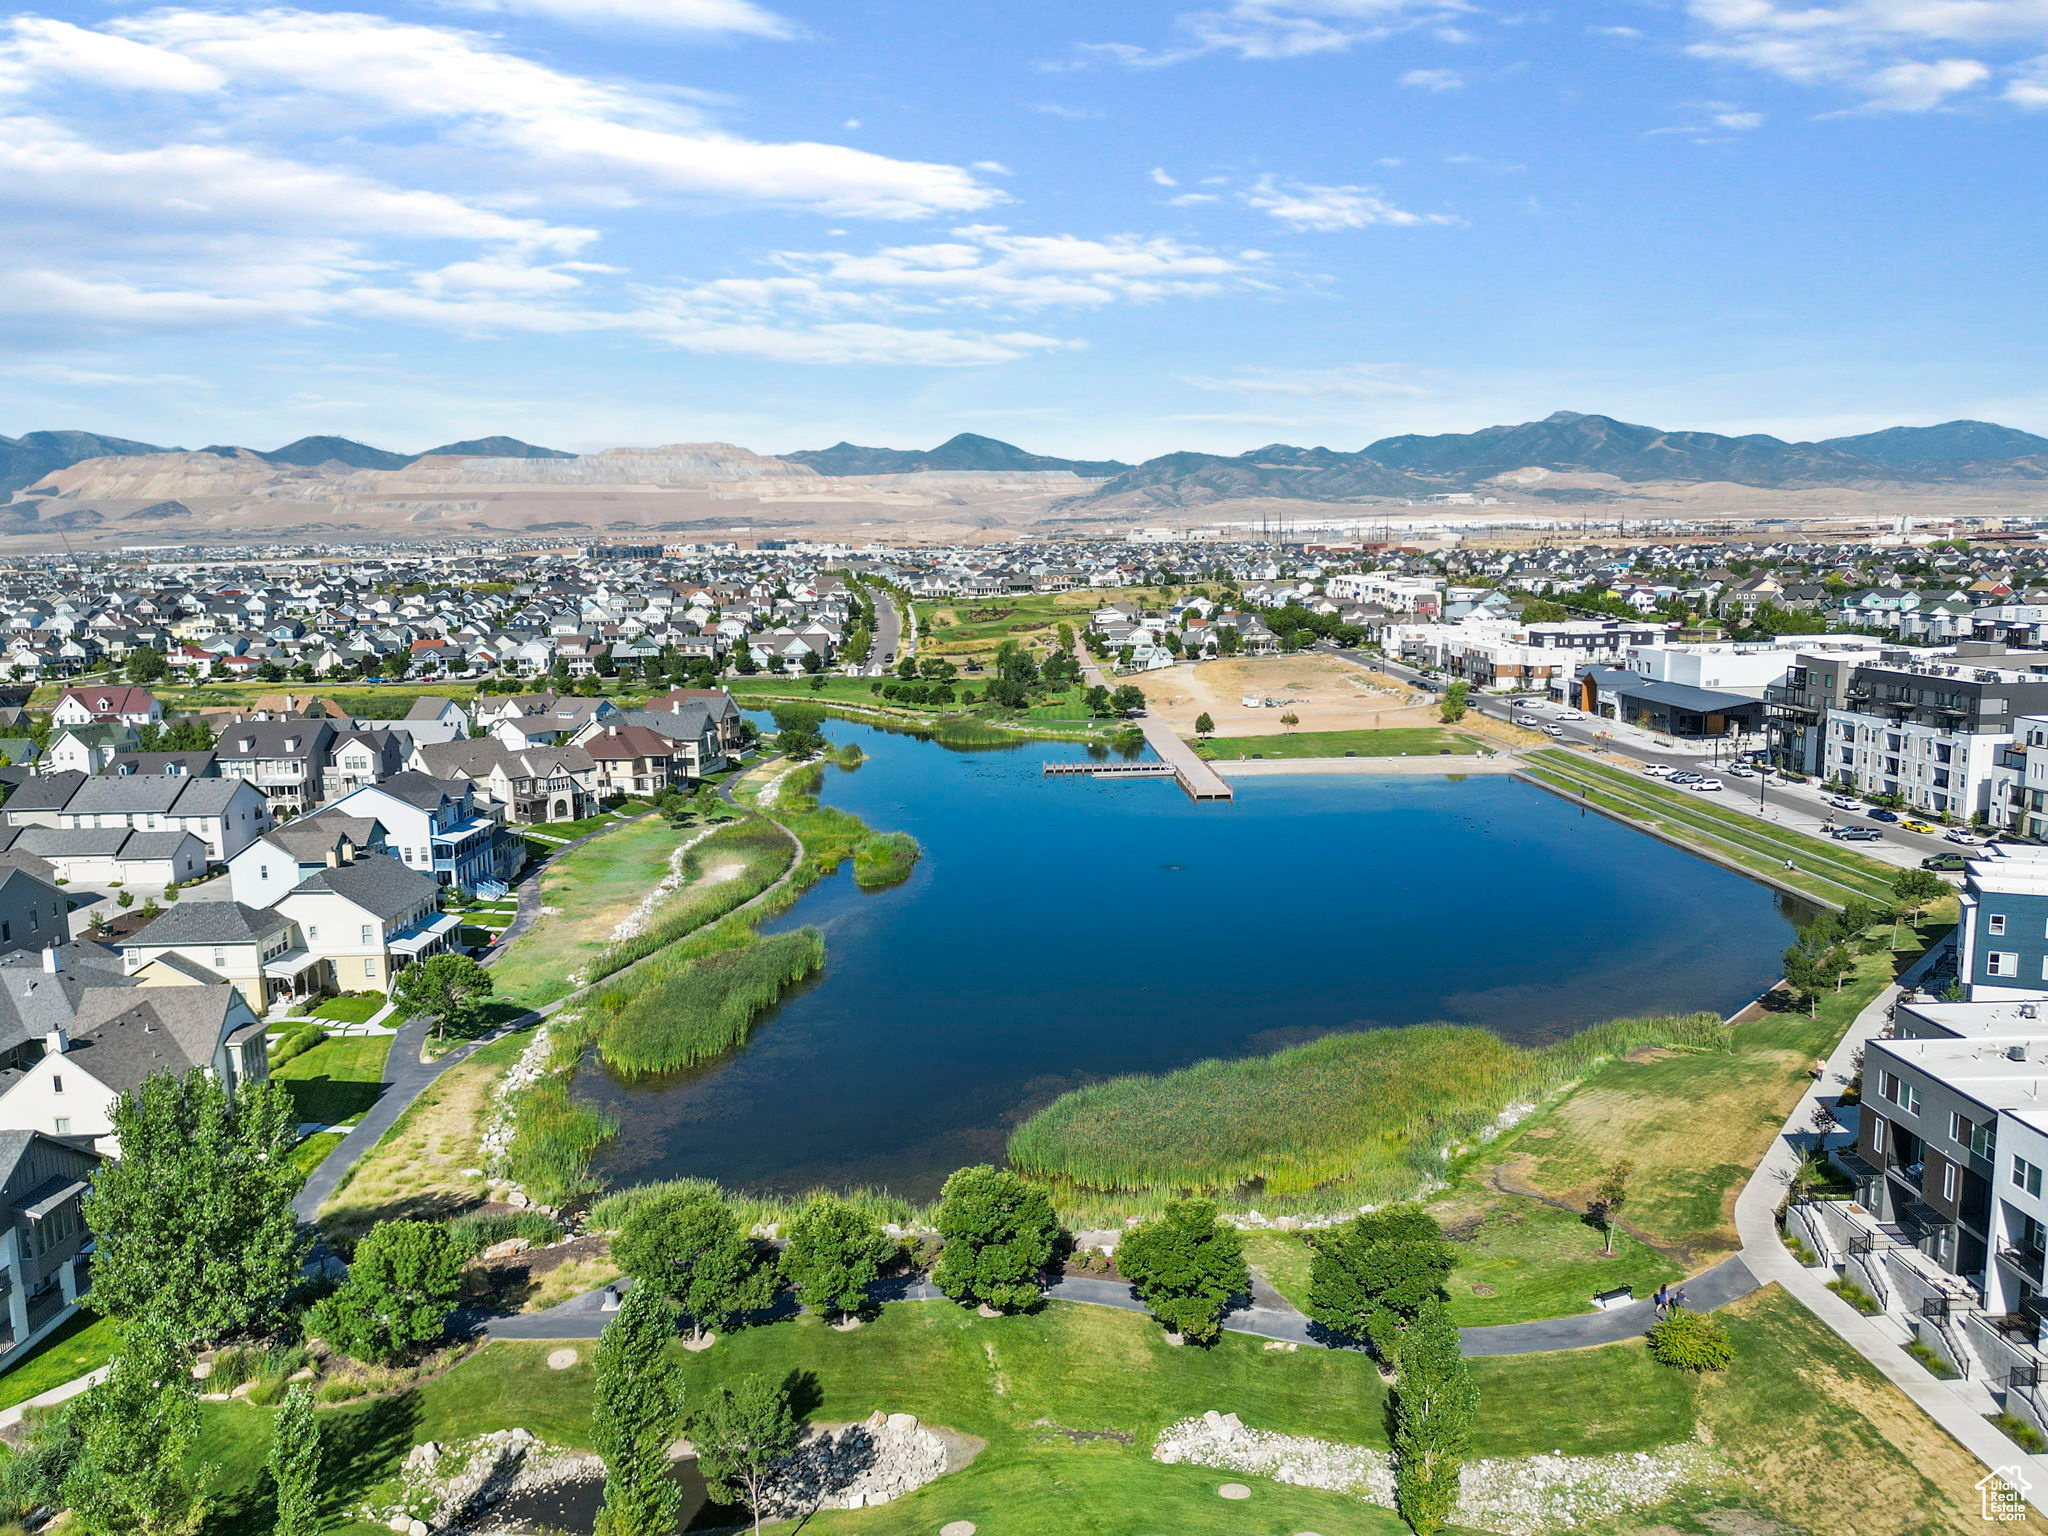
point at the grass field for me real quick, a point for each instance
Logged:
(381, 701)
(591, 889)
(1422, 742)
(1068, 1401)
(337, 1079)
(976, 626)
(1693, 1124)
(1826, 870)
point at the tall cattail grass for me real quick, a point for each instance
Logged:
(678, 1013)
(1372, 1111)
(754, 1211)
(553, 1140)
(884, 859)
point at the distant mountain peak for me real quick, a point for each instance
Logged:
(968, 451)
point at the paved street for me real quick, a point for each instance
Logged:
(1800, 807)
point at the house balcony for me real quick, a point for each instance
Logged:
(422, 939)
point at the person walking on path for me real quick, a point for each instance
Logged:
(1662, 1299)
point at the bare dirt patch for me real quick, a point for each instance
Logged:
(1324, 693)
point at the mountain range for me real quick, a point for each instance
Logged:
(1566, 443)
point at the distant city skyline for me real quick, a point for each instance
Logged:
(1093, 231)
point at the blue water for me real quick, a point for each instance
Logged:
(1062, 930)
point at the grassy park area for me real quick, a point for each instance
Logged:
(975, 626)
(1419, 741)
(1062, 1407)
(337, 1079)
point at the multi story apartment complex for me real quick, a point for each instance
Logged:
(1925, 726)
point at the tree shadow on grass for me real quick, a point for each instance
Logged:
(359, 1448)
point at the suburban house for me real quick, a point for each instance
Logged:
(87, 748)
(76, 1034)
(108, 704)
(283, 758)
(33, 911)
(726, 718)
(437, 827)
(692, 737)
(43, 1182)
(346, 927)
(270, 868)
(225, 814)
(534, 784)
(634, 760)
(359, 758)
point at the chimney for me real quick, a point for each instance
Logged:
(53, 961)
(56, 1043)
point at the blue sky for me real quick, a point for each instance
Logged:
(1092, 229)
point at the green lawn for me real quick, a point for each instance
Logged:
(1069, 1400)
(337, 1079)
(85, 1343)
(379, 701)
(349, 1010)
(759, 692)
(1518, 1260)
(312, 1152)
(1420, 741)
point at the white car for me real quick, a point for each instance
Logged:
(1844, 803)
(1958, 835)
(1740, 772)
(1553, 730)
(1571, 714)
(1656, 770)
(1705, 786)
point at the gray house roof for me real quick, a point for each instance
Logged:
(209, 922)
(375, 883)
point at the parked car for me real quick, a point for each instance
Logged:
(1553, 730)
(1529, 720)
(1656, 770)
(1685, 776)
(1571, 714)
(1957, 835)
(1705, 786)
(1844, 803)
(1740, 771)
(1917, 826)
(1879, 813)
(1857, 834)
(1947, 863)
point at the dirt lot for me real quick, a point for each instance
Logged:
(1327, 694)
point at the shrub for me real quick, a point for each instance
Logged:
(884, 859)
(481, 1229)
(1687, 1341)
(1856, 1296)
(1937, 1366)
(2020, 1432)
(297, 1043)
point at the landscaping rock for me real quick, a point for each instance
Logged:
(957, 1528)
(985, 1310)
(1526, 1496)
(1233, 1491)
(857, 1466)
(507, 1248)
(561, 1359)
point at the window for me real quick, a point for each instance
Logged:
(1959, 1128)
(369, 965)
(2001, 962)
(56, 1084)
(220, 957)
(1951, 1179)
(1995, 923)
(367, 932)
(63, 1126)
(313, 934)
(2026, 1176)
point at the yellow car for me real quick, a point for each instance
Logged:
(1916, 826)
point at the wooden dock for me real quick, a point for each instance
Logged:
(1112, 770)
(1201, 781)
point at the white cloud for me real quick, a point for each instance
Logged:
(1307, 206)
(1897, 55)
(1358, 381)
(709, 16)
(1161, 179)
(1738, 122)
(41, 51)
(555, 125)
(1433, 80)
(1286, 29)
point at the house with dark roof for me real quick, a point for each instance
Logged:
(225, 814)
(437, 826)
(107, 703)
(633, 760)
(533, 784)
(283, 758)
(43, 1183)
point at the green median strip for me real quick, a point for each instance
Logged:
(1816, 869)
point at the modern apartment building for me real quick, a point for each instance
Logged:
(1926, 726)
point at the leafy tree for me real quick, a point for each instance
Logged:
(800, 745)
(1290, 720)
(1434, 1405)
(1686, 1341)
(295, 1464)
(833, 1256)
(194, 1224)
(1129, 699)
(741, 1434)
(998, 1233)
(404, 1281)
(1098, 701)
(1609, 1198)
(450, 987)
(1370, 1276)
(1917, 890)
(688, 1245)
(136, 1430)
(1186, 1267)
(1204, 726)
(32, 1479)
(146, 665)
(638, 1406)
(1452, 709)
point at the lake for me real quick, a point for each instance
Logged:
(1062, 930)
